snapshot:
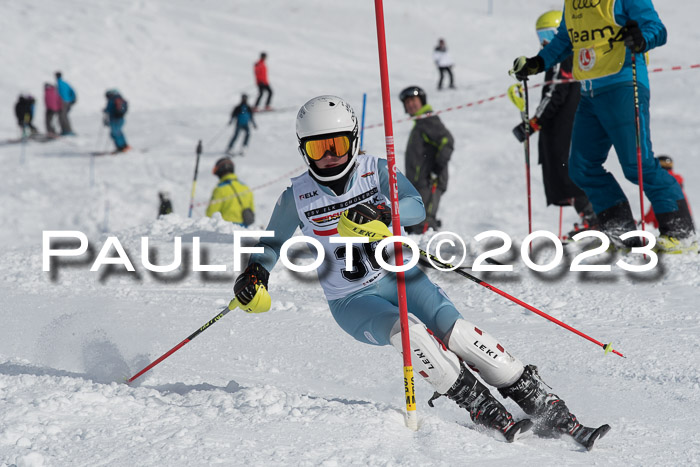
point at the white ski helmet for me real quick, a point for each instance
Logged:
(327, 116)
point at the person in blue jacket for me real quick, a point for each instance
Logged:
(114, 118)
(243, 115)
(68, 99)
(344, 188)
(602, 36)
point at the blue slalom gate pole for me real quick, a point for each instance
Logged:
(362, 131)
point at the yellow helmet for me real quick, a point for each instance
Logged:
(547, 25)
(549, 20)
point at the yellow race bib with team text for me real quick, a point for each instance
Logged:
(591, 25)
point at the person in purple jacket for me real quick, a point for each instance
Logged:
(52, 102)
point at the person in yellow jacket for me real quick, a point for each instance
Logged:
(231, 198)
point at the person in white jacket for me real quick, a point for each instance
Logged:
(444, 63)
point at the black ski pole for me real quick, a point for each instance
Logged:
(194, 180)
(231, 306)
(526, 121)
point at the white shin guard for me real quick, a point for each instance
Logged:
(482, 353)
(430, 359)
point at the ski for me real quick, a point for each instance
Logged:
(587, 437)
(38, 137)
(273, 109)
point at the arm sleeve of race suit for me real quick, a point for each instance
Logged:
(560, 47)
(411, 207)
(555, 96)
(284, 221)
(643, 12)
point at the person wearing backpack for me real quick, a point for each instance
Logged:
(114, 118)
(24, 111)
(243, 115)
(233, 199)
(68, 99)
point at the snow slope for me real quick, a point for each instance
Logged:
(289, 387)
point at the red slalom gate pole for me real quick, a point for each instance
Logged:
(411, 416)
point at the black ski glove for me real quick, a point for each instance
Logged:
(632, 37)
(367, 212)
(524, 67)
(245, 286)
(520, 133)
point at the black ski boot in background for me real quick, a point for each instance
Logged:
(616, 221)
(552, 417)
(483, 408)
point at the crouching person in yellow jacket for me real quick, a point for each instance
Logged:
(231, 198)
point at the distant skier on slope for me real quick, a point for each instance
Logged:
(52, 103)
(342, 181)
(444, 63)
(113, 117)
(554, 119)
(24, 111)
(68, 100)
(243, 115)
(260, 69)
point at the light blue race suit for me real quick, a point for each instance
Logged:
(369, 314)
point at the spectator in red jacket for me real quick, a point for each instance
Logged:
(52, 102)
(667, 163)
(261, 80)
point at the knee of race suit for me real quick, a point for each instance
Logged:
(484, 354)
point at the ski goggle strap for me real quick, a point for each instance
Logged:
(338, 146)
(546, 34)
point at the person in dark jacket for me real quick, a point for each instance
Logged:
(428, 152)
(260, 69)
(114, 118)
(68, 99)
(24, 111)
(554, 119)
(243, 115)
(166, 206)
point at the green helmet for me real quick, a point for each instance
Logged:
(547, 25)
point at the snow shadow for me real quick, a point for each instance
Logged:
(182, 388)
(17, 369)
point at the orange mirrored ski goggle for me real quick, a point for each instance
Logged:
(338, 146)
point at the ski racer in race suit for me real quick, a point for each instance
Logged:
(603, 36)
(342, 185)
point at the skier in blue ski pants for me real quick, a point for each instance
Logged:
(604, 38)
